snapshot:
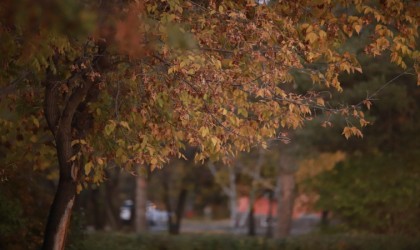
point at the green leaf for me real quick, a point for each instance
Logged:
(109, 128)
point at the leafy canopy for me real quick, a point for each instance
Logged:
(216, 75)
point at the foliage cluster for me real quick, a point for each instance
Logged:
(23, 198)
(374, 193)
(376, 188)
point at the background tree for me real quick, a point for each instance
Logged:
(382, 165)
(178, 186)
(225, 177)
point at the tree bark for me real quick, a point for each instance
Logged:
(141, 202)
(60, 212)
(59, 218)
(285, 204)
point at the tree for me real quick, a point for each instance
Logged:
(227, 182)
(181, 182)
(389, 203)
(382, 166)
(286, 196)
(154, 76)
(141, 202)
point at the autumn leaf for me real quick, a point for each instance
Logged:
(88, 167)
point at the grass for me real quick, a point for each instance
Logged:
(120, 241)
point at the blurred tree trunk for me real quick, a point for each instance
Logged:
(251, 215)
(324, 218)
(256, 177)
(233, 203)
(285, 199)
(285, 195)
(251, 221)
(179, 212)
(141, 203)
(111, 210)
(174, 217)
(269, 232)
(98, 209)
(229, 190)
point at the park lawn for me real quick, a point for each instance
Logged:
(120, 241)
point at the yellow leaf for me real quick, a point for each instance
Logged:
(347, 132)
(100, 161)
(154, 161)
(72, 158)
(214, 141)
(264, 145)
(109, 128)
(79, 188)
(221, 10)
(367, 103)
(260, 92)
(36, 122)
(218, 64)
(311, 37)
(363, 122)
(33, 138)
(322, 34)
(81, 141)
(320, 102)
(358, 28)
(243, 112)
(356, 132)
(88, 167)
(125, 125)
(204, 131)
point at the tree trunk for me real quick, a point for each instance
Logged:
(233, 203)
(59, 218)
(141, 203)
(269, 232)
(60, 212)
(179, 212)
(97, 208)
(111, 209)
(285, 199)
(256, 175)
(60, 123)
(230, 191)
(324, 218)
(251, 221)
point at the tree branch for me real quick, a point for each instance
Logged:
(78, 95)
(51, 107)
